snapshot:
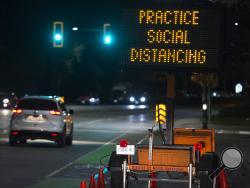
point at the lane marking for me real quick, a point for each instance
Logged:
(60, 169)
(244, 132)
(103, 131)
(91, 122)
(142, 140)
(71, 163)
(85, 142)
(75, 142)
(221, 131)
(108, 119)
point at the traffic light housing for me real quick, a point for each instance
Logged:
(58, 34)
(107, 38)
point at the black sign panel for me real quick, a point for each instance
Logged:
(179, 38)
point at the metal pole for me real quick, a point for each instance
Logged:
(150, 147)
(190, 171)
(209, 105)
(204, 102)
(170, 105)
(214, 182)
(124, 168)
(150, 151)
(149, 182)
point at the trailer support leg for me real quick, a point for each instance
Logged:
(190, 173)
(124, 169)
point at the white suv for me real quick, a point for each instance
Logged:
(41, 117)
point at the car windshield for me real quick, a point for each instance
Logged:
(37, 104)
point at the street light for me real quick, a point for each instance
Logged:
(238, 88)
(75, 28)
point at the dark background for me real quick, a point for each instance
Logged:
(30, 64)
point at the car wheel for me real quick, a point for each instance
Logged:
(13, 141)
(208, 163)
(115, 166)
(61, 140)
(69, 139)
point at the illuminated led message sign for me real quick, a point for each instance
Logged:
(172, 37)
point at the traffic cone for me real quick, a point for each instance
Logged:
(83, 184)
(223, 182)
(92, 182)
(153, 184)
(101, 183)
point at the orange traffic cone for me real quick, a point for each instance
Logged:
(83, 184)
(223, 182)
(153, 184)
(92, 182)
(101, 183)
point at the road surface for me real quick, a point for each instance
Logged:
(40, 164)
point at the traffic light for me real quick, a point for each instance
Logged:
(58, 34)
(107, 38)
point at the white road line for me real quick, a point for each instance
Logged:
(221, 131)
(85, 142)
(91, 122)
(69, 164)
(244, 132)
(60, 169)
(142, 140)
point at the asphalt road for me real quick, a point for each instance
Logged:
(41, 164)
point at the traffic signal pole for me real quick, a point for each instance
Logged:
(205, 106)
(170, 109)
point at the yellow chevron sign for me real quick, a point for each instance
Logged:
(161, 114)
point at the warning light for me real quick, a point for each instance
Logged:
(123, 143)
(198, 146)
(161, 114)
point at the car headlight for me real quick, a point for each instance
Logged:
(143, 99)
(92, 100)
(5, 101)
(5, 112)
(132, 99)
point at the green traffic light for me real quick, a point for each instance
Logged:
(58, 34)
(58, 37)
(107, 39)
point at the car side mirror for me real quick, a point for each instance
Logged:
(71, 112)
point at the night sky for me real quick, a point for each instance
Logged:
(30, 64)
